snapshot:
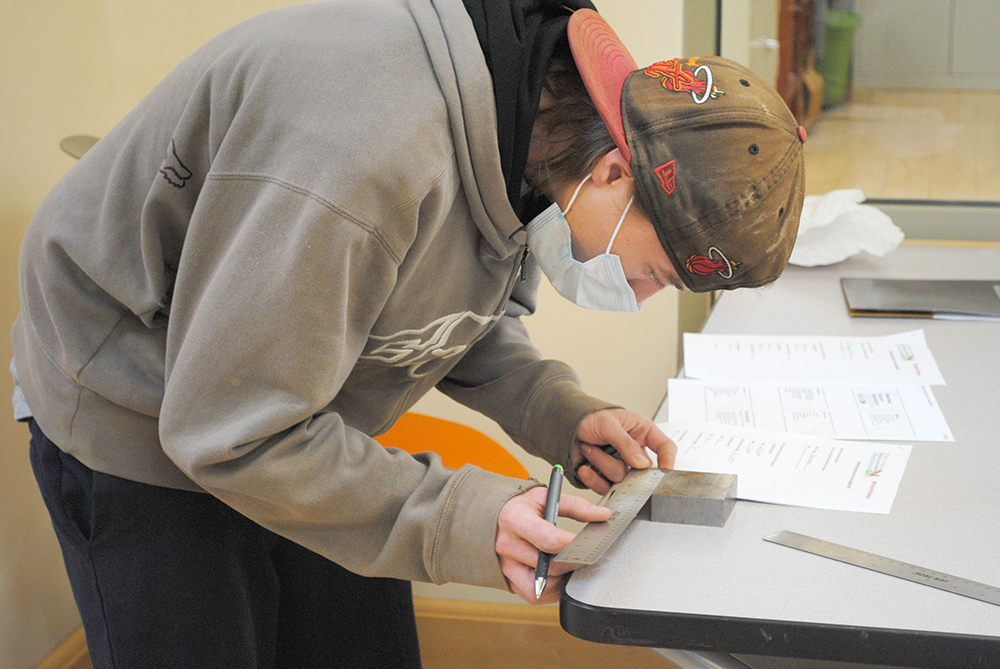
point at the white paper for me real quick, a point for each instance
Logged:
(899, 358)
(796, 470)
(899, 412)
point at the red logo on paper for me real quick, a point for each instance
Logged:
(674, 77)
(667, 174)
(714, 263)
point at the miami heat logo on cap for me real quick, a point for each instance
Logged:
(715, 262)
(674, 77)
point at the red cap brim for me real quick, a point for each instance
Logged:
(604, 64)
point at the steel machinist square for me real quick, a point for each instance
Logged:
(692, 498)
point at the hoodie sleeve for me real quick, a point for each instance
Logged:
(267, 320)
(538, 402)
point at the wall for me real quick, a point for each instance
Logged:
(76, 67)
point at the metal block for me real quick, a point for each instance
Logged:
(692, 498)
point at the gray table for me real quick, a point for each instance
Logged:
(725, 590)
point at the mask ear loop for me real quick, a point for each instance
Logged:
(575, 193)
(619, 226)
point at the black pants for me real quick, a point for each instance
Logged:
(169, 578)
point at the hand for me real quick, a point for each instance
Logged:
(522, 532)
(630, 434)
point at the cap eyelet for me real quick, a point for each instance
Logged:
(781, 212)
(745, 83)
(754, 149)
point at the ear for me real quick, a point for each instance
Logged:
(613, 170)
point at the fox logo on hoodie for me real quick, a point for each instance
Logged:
(173, 169)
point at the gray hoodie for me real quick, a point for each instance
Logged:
(294, 237)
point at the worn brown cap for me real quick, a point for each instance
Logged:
(716, 155)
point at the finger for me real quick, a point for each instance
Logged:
(553, 590)
(610, 467)
(609, 449)
(570, 506)
(593, 480)
(520, 520)
(666, 454)
(521, 580)
(524, 545)
(652, 438)
(522, 583)
(521, 540)
(630, 450)
(509, 546)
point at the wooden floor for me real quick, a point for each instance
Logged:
(467, 635)
(908, 144)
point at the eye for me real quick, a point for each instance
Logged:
(655, 279)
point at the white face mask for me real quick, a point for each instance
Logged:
(599, 283)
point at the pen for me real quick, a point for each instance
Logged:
(551, 515)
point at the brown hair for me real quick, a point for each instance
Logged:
(569, 136)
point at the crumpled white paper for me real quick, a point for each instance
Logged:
(836, 226)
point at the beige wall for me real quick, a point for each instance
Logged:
(76, 67)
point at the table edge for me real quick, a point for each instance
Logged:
(779, 638)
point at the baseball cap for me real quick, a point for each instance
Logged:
(716, 154)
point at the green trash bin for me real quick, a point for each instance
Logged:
(835, 65)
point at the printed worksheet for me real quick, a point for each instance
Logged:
(792, 469)
(900, 358)
(899, 412)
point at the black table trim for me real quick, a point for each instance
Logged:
(721, 634)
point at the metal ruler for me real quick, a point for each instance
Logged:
(884, 565)
(625, 499)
